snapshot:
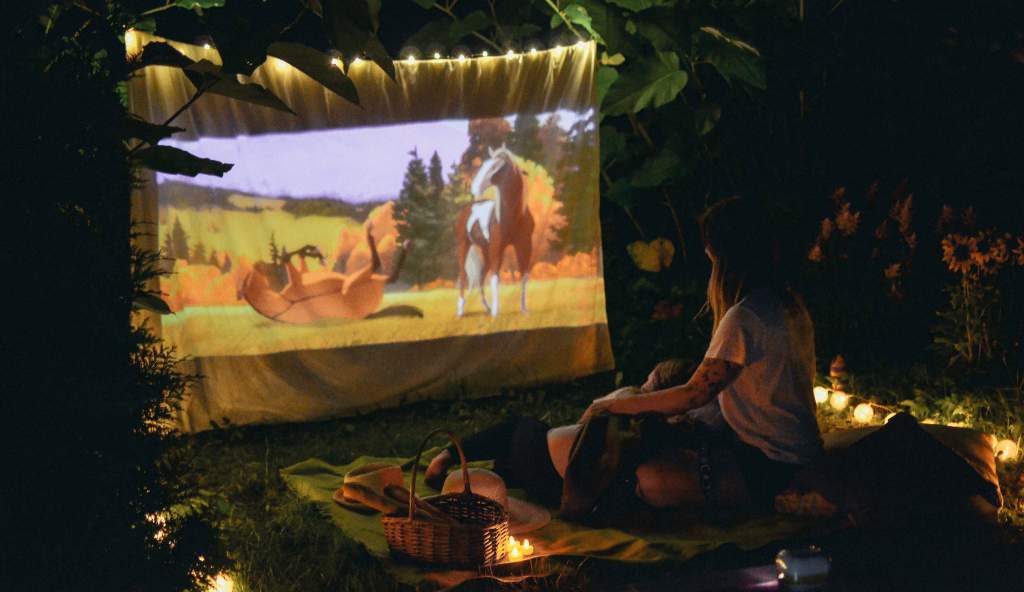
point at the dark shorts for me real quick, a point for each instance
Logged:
(764, 477)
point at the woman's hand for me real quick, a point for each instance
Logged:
(598, 407)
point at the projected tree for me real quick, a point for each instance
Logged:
(425, 220)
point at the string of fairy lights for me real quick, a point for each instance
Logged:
(409, 55)
(1006, 449)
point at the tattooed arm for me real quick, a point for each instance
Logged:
(709, 379)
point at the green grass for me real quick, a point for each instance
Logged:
(239, 330)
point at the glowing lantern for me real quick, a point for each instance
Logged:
(839, 400)
(863, 413)
(1007, 450)
(820, 394)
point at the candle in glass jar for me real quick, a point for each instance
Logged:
(526, 547)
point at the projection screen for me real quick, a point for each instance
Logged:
(439, 239)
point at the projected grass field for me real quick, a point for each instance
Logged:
(239, 330)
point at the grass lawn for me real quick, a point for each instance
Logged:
(279, 542)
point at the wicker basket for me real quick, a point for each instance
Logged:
(479, 538)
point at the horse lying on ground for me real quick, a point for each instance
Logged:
(313, 295)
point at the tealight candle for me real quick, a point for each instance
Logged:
(515, 554)
(526, 547)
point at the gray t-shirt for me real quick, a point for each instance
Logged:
(770, 404)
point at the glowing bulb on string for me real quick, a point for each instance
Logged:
(462, 57)
(410, 58)
(863, 413)
(207, 46)
(129, 37)
(820, 394)
(839, 400)
(581, 43)
(484, 53)
(356, 60)
(1007, 450)
(509, 53)
(533, 50)
(335, 62)
(437, 55)
(281, 65)
(558, 48)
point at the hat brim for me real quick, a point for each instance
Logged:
(341, 500)
(525, 517)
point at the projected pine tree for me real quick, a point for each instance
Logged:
(577, 179)
(525, 139)
(425, 220)
(175, 245)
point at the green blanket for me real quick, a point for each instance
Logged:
(317, 480)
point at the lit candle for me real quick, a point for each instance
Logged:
(515, 554)
(526, 547)
(512, 542)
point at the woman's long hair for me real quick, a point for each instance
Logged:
(745, 255)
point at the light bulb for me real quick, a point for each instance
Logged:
(129, 37)
(281, 65)
(356, 60)
(820, 394)
(533, 50)
(410, 58)
(437, 55)
(581, 43)
(509, 53)
(863, 413)
(462, 57)
(839, 400)
(558, 48)
(335, 62)
(484, 53)
(1007, 450)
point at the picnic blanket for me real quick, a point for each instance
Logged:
(316, 480)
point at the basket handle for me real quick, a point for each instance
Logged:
(416, 465)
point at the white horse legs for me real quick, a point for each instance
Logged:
(460, 307)
(522, 294)
(494, 294)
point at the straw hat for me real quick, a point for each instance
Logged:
(523, 516)
(375, 477)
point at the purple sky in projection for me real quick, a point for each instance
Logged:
(355, 164)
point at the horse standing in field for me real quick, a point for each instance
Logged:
(491, 226)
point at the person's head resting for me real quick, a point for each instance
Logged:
(667, 374)
(744, 253)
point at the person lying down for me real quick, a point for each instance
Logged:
(732, 435)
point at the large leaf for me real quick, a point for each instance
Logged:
(151, 302)
(647, 83)
(606, 77)
(705, 118)
(658, 170)
(242, 34)
(622, 193)
(662, 34)
(607, 22)
(613, 144)
(168, 159)
(204, 74)
(734, 59)
(471, 23)
(158, 53)
(317, 65)
(150, 133)
(638, 5)
(350, 27)
(577, 15)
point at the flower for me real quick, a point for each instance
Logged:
(816, 254)
(999, 251)
(982, 249)
(847, 221)
(957, 252)
(826, 228)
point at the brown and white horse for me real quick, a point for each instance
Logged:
(492, 225)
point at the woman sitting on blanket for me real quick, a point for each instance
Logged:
(753, 387)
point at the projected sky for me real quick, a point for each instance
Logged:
(357, 165)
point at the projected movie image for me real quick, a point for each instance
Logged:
(409, 232)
